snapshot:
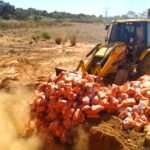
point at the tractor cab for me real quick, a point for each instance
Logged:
(134, 33)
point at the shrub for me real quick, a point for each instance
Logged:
(45, 36)
(73, 40)
(58, 40)
(35, 38)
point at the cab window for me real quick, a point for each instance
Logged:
(129, 33)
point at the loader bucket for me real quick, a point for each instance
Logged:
(59, 70)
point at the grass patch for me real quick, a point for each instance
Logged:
(45, 36)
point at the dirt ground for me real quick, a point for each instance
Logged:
(26, 59)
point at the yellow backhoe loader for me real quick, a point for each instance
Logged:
(125, 54)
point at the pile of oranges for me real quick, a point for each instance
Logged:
(71, 99)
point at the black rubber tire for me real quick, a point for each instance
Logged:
(121, 76)
(145, 66)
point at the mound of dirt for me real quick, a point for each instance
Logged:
(109, 135)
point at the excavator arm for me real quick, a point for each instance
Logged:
(109, 58)
(118, 53)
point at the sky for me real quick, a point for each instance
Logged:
(96, 7)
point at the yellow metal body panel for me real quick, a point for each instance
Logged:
(147, 51)
(103, 51)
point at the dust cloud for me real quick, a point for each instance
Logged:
(14, 113)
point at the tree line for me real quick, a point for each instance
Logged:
(8, 11)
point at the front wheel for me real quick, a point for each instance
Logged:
(144, 67)
(121, 76)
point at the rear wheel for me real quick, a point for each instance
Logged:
(145, 67)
